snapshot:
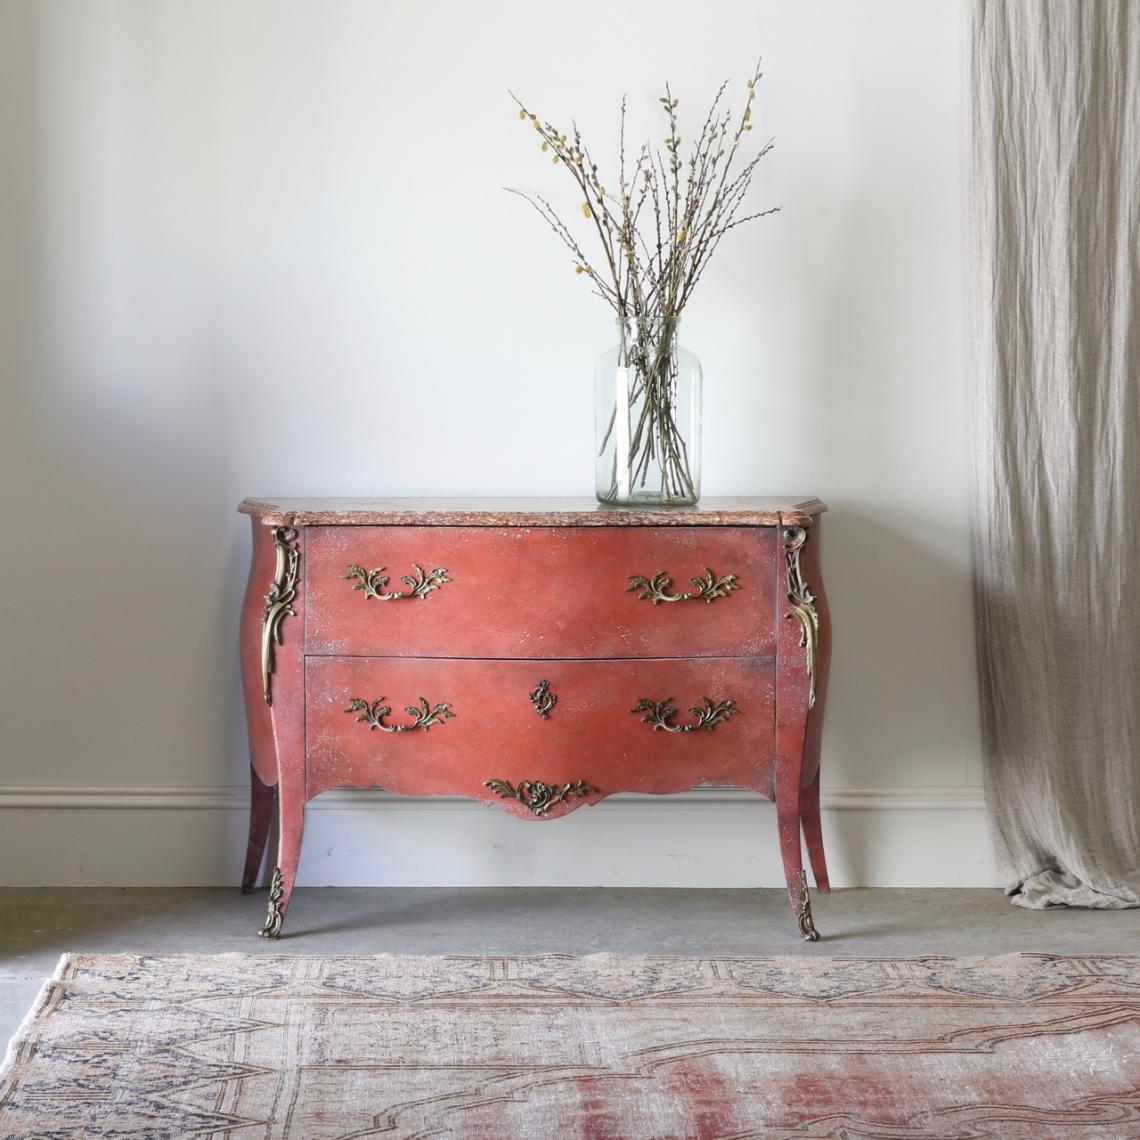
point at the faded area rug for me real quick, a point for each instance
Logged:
(244, 1046)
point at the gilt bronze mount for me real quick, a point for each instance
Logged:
(420, 583)
(538, 798)
(802, 602)
(804, 920)
(274, 918)
(543, 699)
(708, 716)
(279, 601)
(708, 588)
(372, 713)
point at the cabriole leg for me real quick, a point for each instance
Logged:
(260, 813)
(813, 834)
(273, 678)
(788, 821)
(801, 677)
(291, 816)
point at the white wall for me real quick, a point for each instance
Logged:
(262, 248)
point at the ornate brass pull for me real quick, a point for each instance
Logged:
(709, 588)
(543, 699)
(420, 584)
(658, 714)
(538, 798)
(372, 713)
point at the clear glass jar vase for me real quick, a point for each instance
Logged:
(647, 407)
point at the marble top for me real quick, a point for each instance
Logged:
(788, 511)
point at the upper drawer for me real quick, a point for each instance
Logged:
(538, 592)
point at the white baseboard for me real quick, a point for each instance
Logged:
(194, 836)
(195, 797)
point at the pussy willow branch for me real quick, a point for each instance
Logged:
(654, 274)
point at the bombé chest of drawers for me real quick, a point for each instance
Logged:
(535, 655)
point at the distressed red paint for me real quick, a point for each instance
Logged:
(530, 603)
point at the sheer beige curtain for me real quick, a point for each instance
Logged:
(1055, 231)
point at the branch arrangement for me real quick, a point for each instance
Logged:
(657, 231)
(668, 214)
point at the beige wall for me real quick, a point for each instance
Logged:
(262, 248)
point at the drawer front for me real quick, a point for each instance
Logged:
(583, 729)
(540, 592)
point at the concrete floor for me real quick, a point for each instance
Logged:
(37, 925)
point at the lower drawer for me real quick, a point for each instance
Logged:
(431, 726)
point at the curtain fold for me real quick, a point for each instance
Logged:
(1055, 309)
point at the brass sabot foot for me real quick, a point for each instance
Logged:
(275, 916)
(804, 919)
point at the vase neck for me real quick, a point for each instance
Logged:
(645, 339)
(646, 326)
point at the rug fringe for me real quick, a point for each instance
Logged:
(24, 1028)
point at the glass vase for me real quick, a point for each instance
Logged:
(647, 406)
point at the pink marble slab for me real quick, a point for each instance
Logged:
(742, 511)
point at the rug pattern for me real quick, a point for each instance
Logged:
(598, 1048)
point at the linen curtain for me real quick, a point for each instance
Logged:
(1055, 236)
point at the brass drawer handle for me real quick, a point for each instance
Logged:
(543, 699)
(538, 798)
(709, 588)
(420, 584)
(658, 714)
(423, 716)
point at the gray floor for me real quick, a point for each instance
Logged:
(37, 925)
